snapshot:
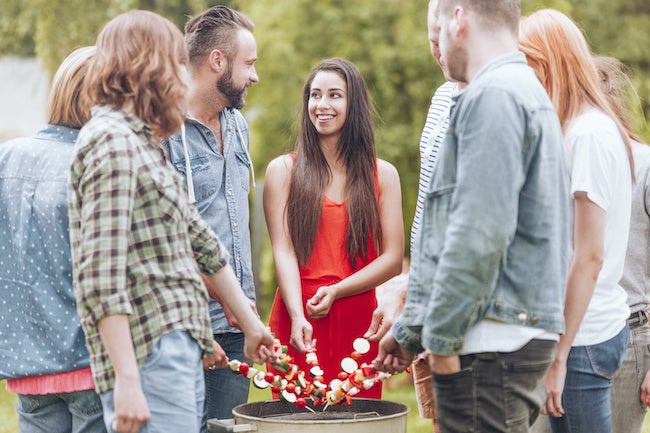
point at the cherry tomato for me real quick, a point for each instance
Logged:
(243, 368)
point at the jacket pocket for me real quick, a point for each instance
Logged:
(243, 168)
(435, 220)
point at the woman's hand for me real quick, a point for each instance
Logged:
(301, 334)
(258, 343)
(319, 305)
(645, 390)
(131, 409)
(554, 383)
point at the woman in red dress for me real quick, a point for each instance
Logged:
(335, 221)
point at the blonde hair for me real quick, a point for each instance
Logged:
(66, 105)
(557, 50)
(617, 85)
(138, 66)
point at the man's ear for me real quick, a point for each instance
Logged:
(459, 21)
(217, 60)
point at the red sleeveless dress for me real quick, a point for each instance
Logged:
(350, 317)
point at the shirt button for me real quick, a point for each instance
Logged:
(522, 317)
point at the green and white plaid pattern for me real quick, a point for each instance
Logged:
(137, 244)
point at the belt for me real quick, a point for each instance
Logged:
(637, 318)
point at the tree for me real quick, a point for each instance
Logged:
(36, 27)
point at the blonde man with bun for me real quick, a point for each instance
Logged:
(43, 353)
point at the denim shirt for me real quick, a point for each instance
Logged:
(495, 226)
(221, 186)
(40, 331)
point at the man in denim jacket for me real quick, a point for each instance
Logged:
(212, 153)
(486, 287)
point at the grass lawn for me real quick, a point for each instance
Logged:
(8, 419)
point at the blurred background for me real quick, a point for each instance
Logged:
(386, 39)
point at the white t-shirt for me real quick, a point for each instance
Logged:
(598, 165)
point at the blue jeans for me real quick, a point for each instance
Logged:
(586, 397)
(494, 391)
(172, 381)
(223, 389)
(67, 412)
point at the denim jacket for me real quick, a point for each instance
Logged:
(40, 331)
(221, 184)
(495, 225)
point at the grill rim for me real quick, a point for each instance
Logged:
(385, 408)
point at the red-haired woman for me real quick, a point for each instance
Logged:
(335, 220)
(600, 167)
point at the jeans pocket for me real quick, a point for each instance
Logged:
(455, 400)
(84, 402)
(156, 353)
(28, 403)
(607, 357)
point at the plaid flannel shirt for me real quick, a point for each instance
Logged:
(137, 243)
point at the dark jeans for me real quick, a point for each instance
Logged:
(494, 391)
(224, 389)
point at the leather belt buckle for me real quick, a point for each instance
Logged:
(637, 318)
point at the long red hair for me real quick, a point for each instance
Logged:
(557, 50)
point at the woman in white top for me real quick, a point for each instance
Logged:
(600, 167)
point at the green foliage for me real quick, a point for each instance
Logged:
(619, 29)
(51, 29)
(17, 22)
(56, 37)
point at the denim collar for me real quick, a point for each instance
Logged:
(508, 58)
(57, 133)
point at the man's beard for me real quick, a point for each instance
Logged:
(455, 59)
(236, 97)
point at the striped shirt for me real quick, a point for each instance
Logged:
(433, 135)
(137, 243)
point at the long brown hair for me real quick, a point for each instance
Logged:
(558, 52)
(311, 173)
(138, 63)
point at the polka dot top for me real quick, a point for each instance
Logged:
(39, 326)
